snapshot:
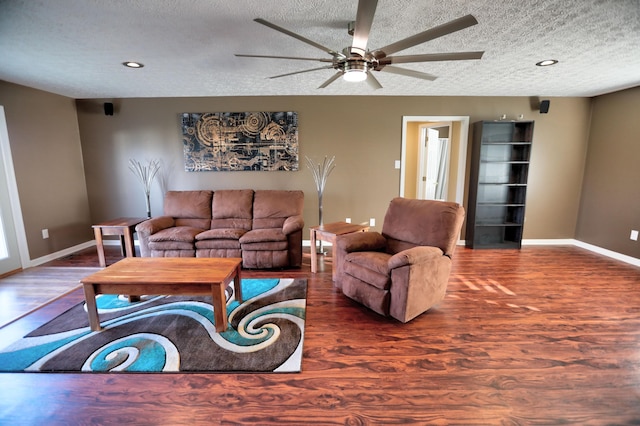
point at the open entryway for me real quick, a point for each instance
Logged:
(433, 159)
(9, 249)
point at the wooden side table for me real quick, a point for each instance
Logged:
(124, 227)
(328, 233)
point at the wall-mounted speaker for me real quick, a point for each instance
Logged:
(108, 108)
(544, 106)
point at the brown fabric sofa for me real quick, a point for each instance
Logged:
(264, 227)
(403, 271)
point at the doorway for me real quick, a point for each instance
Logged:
(414, 158)
(434, 155)
(10, 257)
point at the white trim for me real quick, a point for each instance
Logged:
(12, 186)
(609, 253)
(564, 242)
(61, 253)
(549, 242)
(306, 243)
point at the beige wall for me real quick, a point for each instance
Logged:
(610, 206)
(364, 133)
(45, 146)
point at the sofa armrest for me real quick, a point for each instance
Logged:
(349, 243)
(150, 227)
(361, 241)
(292, 224)
(414, 256)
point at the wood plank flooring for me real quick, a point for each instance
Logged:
(539, 336)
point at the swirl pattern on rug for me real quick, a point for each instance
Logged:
(173, 333)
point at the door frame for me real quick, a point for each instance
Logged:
(12, 186)
(462, 151)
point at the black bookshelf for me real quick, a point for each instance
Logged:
(498, 183)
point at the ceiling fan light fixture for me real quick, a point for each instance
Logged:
(355, 71)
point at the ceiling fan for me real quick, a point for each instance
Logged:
(355, 63)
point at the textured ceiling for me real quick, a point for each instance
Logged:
(75, 47)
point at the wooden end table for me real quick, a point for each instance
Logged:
(328, 233)
(166, 275)
(124, 227)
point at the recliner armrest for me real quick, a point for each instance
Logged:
(292, 224)
(151, 226)
(414, 256)
(361, 241)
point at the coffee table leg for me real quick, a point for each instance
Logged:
(237, 284)
(219, 306)
(92, 308)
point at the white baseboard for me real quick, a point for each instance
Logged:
(612, 254)
(59, 254)
(306, 243)
(571, 242)
(550, 242)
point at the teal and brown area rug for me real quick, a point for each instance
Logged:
(172, 334)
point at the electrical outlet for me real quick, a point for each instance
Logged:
(348, 220)
(45, 234)
(372, 221)
(634, 235)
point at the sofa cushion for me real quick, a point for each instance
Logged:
(188, 204)
(232, 203)
(170, 245)
(272, 207)
(405, 221)
(177, 233)
(218, 244)
(173, 252)
(265, 246)
(201, 224)
(221, 234)
(263, 235)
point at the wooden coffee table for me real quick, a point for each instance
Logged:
(166, 275)
(328, 233)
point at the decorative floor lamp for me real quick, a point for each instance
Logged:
(146, 174)
(320, 172)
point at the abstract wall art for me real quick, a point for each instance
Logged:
(240, 141)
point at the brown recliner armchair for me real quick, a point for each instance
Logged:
(403, 271)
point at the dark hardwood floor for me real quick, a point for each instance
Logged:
(539, 336)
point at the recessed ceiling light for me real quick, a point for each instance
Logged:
(132, 64)
(547, 62)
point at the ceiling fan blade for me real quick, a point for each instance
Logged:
(303, 71)
(408, 73)
(433, 33)
(364, 19)
(431, 57)
(373, 82)
(283, 57)
(331, 80)
(299, 37)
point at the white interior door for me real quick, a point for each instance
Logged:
(433, 167)
(9, 251)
